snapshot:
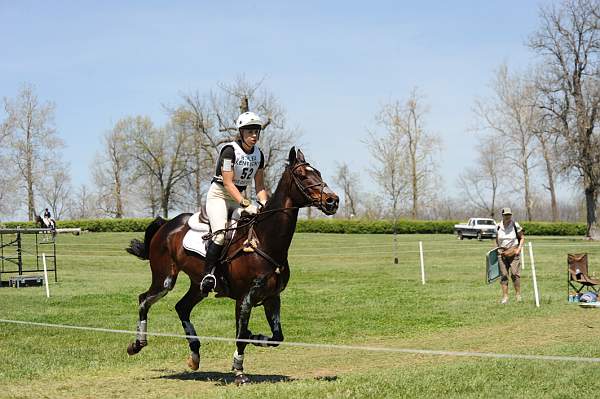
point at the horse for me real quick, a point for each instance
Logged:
(254, 265)
(41, 223)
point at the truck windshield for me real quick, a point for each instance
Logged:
(489, 222)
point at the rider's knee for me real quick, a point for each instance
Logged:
(219, 239)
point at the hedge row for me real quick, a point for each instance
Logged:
(95, 225)
(425, 227)
(339, 226)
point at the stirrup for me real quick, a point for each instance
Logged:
(208, 283)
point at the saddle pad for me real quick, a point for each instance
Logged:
(192, 241)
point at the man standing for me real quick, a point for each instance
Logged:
(510, 240)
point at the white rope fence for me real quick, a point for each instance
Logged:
(324, 346)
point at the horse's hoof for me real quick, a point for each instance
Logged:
(135, 347)
(193, 361)
(132, 349)
(241, 379)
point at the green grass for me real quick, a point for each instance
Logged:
(344, 289)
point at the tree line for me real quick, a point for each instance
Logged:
(538, 127)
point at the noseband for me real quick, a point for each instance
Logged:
(303, 189)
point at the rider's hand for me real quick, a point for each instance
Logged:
(250, 209)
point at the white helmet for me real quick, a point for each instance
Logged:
(247, 119)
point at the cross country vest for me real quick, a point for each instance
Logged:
(244, 167)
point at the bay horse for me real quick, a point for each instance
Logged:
(251, 276)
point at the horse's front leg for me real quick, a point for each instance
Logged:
(272, 311)
(243, 309)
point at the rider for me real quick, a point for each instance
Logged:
(239, 162)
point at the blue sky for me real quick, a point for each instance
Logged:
(331, 64)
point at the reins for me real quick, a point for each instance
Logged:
(251, 245)
(251, 220)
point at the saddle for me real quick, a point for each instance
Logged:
(199, 227)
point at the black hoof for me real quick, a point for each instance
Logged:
(135, 347)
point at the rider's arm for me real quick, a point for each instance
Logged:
(230, 186)
(259, 183)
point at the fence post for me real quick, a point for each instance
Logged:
(535, 287)
(422, 262)
(45, 275)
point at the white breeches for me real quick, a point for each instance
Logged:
(218, 206)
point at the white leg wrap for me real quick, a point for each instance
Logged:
(141, 331)
(238, 363)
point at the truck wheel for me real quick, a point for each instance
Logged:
(479, 236)
(460, 236)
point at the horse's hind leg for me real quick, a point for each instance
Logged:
(272, 311)
(159, 288)
(184, 308)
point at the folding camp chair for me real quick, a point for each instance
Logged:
(578, 275)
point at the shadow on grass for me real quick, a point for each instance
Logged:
(220, 378)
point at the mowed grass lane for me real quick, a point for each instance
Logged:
(344, 289)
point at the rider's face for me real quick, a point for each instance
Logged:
(250, 136)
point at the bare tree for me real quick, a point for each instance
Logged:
(111, 170)
(390, 167)
(546, 135)
(55, 188)
(160, 153)
(407, 136)
(276, 138)
(348, 181)
(204, 139)
(8, 178)
(511, 114)
(83, 206)
(568, 40)
(29, 125)
(480, 184)
(149, 191)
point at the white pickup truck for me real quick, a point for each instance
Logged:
(476, 228)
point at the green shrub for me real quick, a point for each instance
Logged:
(339, 226)
(342, 226)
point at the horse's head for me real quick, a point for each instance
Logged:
(311, 185)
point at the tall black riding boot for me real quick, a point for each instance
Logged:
(209, 281)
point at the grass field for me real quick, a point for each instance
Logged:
(344, 290)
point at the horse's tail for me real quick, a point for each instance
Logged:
(141, 249)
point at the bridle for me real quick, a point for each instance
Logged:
(303, 189)
(251, 220)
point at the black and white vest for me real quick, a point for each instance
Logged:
(245, 165)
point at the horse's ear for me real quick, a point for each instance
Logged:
(292, 156)
(300, 156)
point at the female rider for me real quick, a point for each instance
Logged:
(239, 162)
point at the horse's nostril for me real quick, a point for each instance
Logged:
(330, 200)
